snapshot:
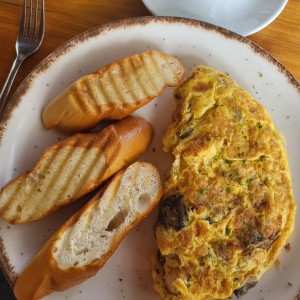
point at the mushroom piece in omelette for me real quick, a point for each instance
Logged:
(228, 206)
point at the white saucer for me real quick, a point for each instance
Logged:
(244, 17)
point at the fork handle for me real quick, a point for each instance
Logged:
(8, 83)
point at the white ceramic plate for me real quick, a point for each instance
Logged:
(241, 16)
(22, 139)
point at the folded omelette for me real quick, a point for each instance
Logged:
(228, 205)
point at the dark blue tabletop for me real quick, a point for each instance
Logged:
(5, 290)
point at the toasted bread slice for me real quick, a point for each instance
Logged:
(72, 168)
(112, 92)
(84, 243)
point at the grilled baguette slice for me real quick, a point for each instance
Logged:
(84, 243)
(113, 91)
(72, 168)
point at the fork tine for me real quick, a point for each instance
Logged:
(32, 23)
(42, 23)
(29, 27)
(28, 41)
(35, 20)
(23, 19)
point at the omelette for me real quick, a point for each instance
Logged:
(228, 205)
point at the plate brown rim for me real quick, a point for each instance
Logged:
(5, 264)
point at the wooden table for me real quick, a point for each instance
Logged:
(67, 18)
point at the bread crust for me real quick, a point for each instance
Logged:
(43, 275)
(113, 91)
(118, 145)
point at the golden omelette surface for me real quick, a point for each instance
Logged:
(228, 206)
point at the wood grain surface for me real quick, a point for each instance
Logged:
(67, 18)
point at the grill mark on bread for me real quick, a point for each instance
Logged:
(91, 168)
(83, 244)
(110, 89)
(106, 96)
(105, 218)
(98, 94)
(61, 158)
(147, 80)
(42, 169)
(101, 101)
(69, 244)
(137, 89)
(32, 189)
(79, 164)
(72, 179)
(89, 104)
(95, 169)
(5, 207)
(89, 99)
(116, 83)
(131, 91)
(86, 176)
(79, 96)
(93, 165)
(152, 66)
(113, 91)
(53, 181)
(17, 190)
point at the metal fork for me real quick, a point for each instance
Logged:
(30, 37)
